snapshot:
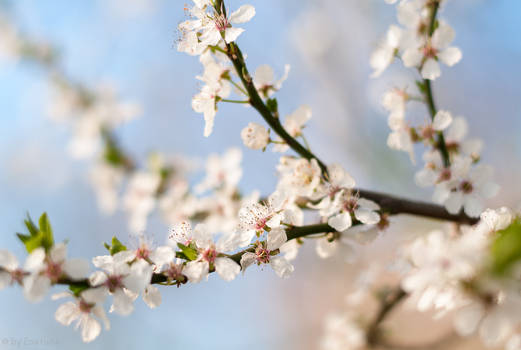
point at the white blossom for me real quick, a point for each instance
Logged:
(255, 136)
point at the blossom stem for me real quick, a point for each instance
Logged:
(239, 88)
(237, 59)
(388, 303)
(442, 146)
(234, 101)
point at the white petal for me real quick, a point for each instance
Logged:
(139, 277)
(58, 253)
(340, 222)
(412, 57)
(368, 204)
(442, 36)
(244, 14)
(152, 296)
(232, 34)
(226, 268)
(494, 328)
(276, 238)
(366, 216)
(196, 271)
(281, 266)
(97, 278)
(450, 56)
(76, 268)
(290, 249)
(122, 303)
(5, 279)
(425, 177)
(95, 295)
(467, 319)
(35, 287)
(67, 313)
(162, 256)
(326, 249)
(90, 328)
(100, 313)
(473, 205)
(124, 256)
(442, 120)
(8, 261)
(431, 69)
(454, 203)
(263, 76)
(35, 260)
(247, 259)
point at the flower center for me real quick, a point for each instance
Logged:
(445, 175)
(221, 23)
(209, 255)
(143, 253)
(53, 271)
(114, 282)
(466, 187)
(351, 204)
(17, 276)
(429, 51)
(263, 255)
(85, 307)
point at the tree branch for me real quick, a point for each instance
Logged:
(389, 302)
(388, 203)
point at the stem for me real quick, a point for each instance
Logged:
(388, 203)
(291, 233)
(237, 59)
(238, 86)
(443, 343)
(396, 205)
(389, 302)
(234, 101)
(441, 145)
(305, 141)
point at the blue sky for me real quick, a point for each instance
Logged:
(103, 40)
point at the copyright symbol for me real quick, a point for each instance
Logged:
(5, 341)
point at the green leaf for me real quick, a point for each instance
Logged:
(47, 240)
(189, 252)
(31, 227)
(181, 255)
(38, 236)
(421, 86)
(76, 289)
(34, 242)
(23, 238)
(506, 249)
(272, 105)
(116, 246)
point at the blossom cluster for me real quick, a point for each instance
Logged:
(462, 271)
(450, 160)
(469, 271)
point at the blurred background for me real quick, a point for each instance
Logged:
(131, 43)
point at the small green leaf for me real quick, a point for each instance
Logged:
(34, 242)
(116, 246)
(76, 289)
(47, 240)
(31, 227)
(181, 255)
(421, 86)
(506, 249)
(23, 238)
(272, 105)
(189, 252)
